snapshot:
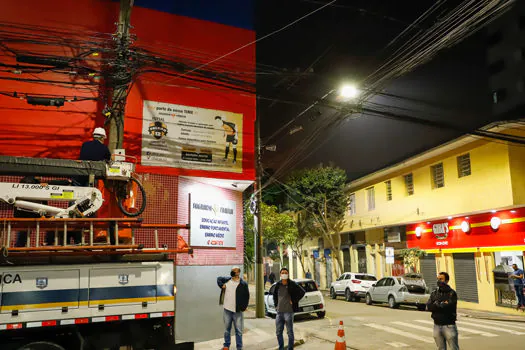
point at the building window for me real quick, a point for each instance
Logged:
(496, 67)
(409, 184)
(351, 206)
(464, 165)
(438, 176)
(371, 197)
(388, 185)
(499, 96)
(494, 38)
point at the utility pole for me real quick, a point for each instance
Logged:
(259, 273)
(120, 77)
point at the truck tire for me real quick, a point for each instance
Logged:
(41, 345)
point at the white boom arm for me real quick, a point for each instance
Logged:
(87, 200)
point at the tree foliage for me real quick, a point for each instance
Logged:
(411, 257)
(320, 193)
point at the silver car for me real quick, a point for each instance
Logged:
(409, 289)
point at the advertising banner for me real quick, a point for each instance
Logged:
(212, 222)
(187, 137)
(474, 231)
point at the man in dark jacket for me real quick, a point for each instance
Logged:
(443, 303)
(235, 297)
(286, 296)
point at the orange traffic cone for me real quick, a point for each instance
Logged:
(340, 343)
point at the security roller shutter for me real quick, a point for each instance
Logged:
(466, 281)
(428, 270)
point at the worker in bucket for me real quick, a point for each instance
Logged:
(95, 149)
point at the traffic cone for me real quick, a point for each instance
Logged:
(340, 343)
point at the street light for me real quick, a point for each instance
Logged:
(349, 91)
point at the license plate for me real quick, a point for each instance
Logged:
(308, 308)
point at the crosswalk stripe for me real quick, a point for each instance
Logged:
(397, 345)
(464, 329)
(495, 328)
(399, 332)
(421, 328)
(505, 324)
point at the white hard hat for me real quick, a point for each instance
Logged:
(99, 132)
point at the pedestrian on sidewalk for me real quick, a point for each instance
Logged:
(265, 278)
(235, 297)
(517, 276)
(271, 278)
(286, 298)
(443, 304)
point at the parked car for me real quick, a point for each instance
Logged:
(311, 303)
(352, 285)
(409, 289)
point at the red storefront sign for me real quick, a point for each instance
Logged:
(493, 229)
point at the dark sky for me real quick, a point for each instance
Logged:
(348, 41)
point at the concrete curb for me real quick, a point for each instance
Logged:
(493, 318)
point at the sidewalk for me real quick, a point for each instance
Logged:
(259, 334)
(494, 316)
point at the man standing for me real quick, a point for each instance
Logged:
(517, 276)
(443, 303)
(286, 298)
(235, 297)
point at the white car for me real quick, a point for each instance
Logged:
(409, 289)
(352, 285)
(311, 303)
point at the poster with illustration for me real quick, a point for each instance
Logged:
(188, 137)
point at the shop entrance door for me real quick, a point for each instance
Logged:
(466, 277)
(346, 260)
(361, 258)
(428, 270)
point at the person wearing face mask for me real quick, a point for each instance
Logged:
(443, 304)
(286, 298)
(235, 297)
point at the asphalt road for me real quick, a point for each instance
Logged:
(379, 327)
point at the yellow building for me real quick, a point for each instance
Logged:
(444, 201)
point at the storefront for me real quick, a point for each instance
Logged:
(474, 250)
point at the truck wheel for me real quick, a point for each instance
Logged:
(332, 293)
(41, 345)
(321, 314)
(422, 307)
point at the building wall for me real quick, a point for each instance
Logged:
(490, 171)
(517, 173)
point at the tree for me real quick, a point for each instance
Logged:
(296, 241)
(276, 226)
(320, 193)
(411, 258)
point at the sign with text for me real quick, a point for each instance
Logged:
(389, 254)
(212, 222)
(191, 138)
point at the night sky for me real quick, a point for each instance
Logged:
(347, 42)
